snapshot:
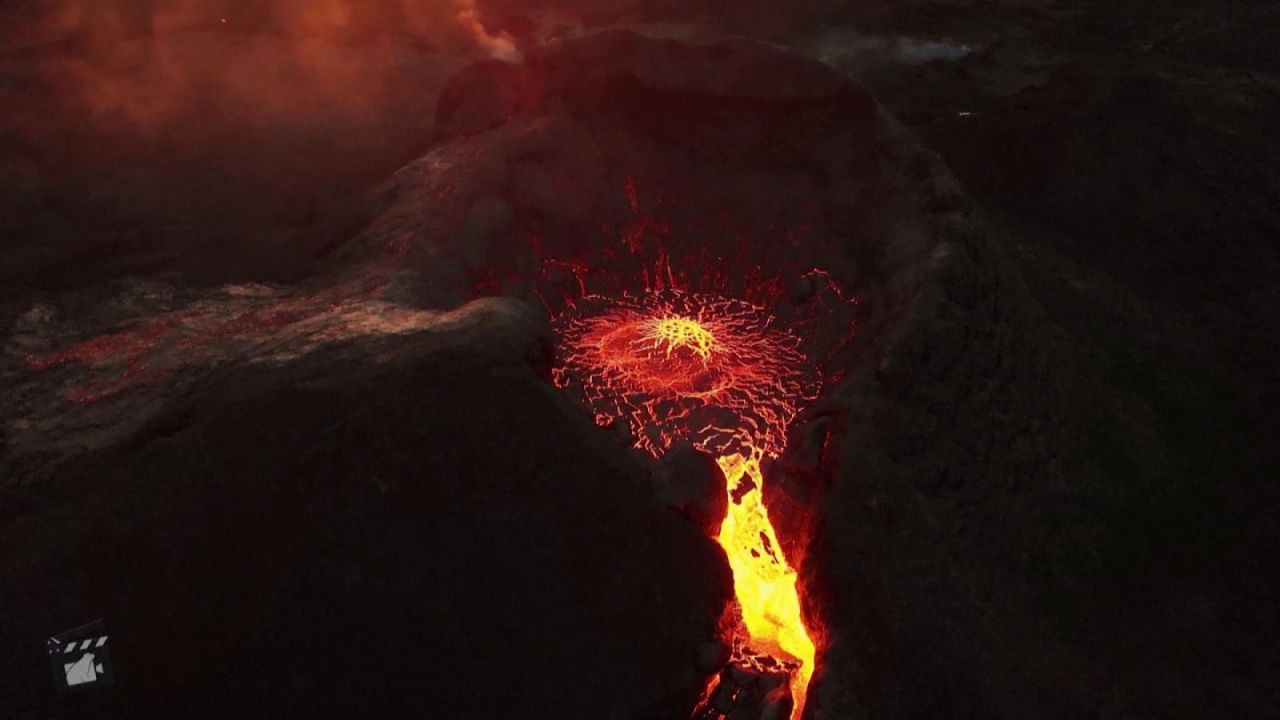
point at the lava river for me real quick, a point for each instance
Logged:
(721, 374)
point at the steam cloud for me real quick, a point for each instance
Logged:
(849, 49)
(151, 63)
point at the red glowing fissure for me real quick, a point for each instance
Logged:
(686, 344)
(721, 374)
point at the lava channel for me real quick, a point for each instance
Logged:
(720, 374)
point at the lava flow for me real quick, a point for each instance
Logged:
(718, 373)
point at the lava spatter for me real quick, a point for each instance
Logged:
(721, 374)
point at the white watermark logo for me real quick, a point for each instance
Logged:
(81, 658)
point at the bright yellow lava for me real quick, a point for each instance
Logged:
(675, 332)
(763, 581)
(714, 372)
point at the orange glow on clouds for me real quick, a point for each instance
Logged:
(500, 47)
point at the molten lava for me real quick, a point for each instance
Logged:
(720, 374)
(680, 332)
(763, 582)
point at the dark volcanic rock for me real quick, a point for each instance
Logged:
(1100, 556)
(940, 492)
(691, 481)
(741, 160)
(381, 527)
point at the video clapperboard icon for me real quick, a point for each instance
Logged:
(81, 658)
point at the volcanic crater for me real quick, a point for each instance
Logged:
(620, 259)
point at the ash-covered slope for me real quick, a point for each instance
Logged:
(939, 475)
(412, 523)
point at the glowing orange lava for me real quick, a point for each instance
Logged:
(718, 373)
(680, 332)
